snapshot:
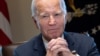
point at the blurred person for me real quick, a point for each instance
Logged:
(50, 17)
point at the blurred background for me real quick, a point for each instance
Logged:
(84, 18)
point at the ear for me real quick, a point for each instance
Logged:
(68, 17)
(35, 22)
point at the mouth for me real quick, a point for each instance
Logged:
(51, 31)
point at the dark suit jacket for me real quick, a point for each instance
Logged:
(83, 45)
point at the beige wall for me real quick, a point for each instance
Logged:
(22, 25)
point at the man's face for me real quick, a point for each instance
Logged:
(50, 18)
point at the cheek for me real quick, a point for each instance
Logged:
(62, 26)
(61, 23)
(43, 27)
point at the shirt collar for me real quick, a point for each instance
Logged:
(46, 42)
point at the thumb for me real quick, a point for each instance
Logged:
(49, 53)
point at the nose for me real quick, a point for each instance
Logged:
(52, 20)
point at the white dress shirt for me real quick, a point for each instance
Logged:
(46, 42)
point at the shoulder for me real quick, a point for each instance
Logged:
(77, 35)
(28, 46)
(82, 42)
(80, 38)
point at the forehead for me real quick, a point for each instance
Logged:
(42, 5)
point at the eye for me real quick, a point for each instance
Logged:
(44, 16)
(57, 14)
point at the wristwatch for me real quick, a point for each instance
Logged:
(75, 53)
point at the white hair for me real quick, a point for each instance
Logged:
(33, 7)
(63, 6)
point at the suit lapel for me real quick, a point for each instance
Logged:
(69, 40)
(40, 49)
(39, 46)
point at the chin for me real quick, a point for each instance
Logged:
(54, 37)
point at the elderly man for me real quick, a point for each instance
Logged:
(50, 18)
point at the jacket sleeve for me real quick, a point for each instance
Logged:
(15, 53)
(93, 51)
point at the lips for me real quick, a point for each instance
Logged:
(52, 31)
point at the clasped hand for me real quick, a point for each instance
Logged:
(58, 47)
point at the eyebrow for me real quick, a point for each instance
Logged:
(46, 13)
(42, 13)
